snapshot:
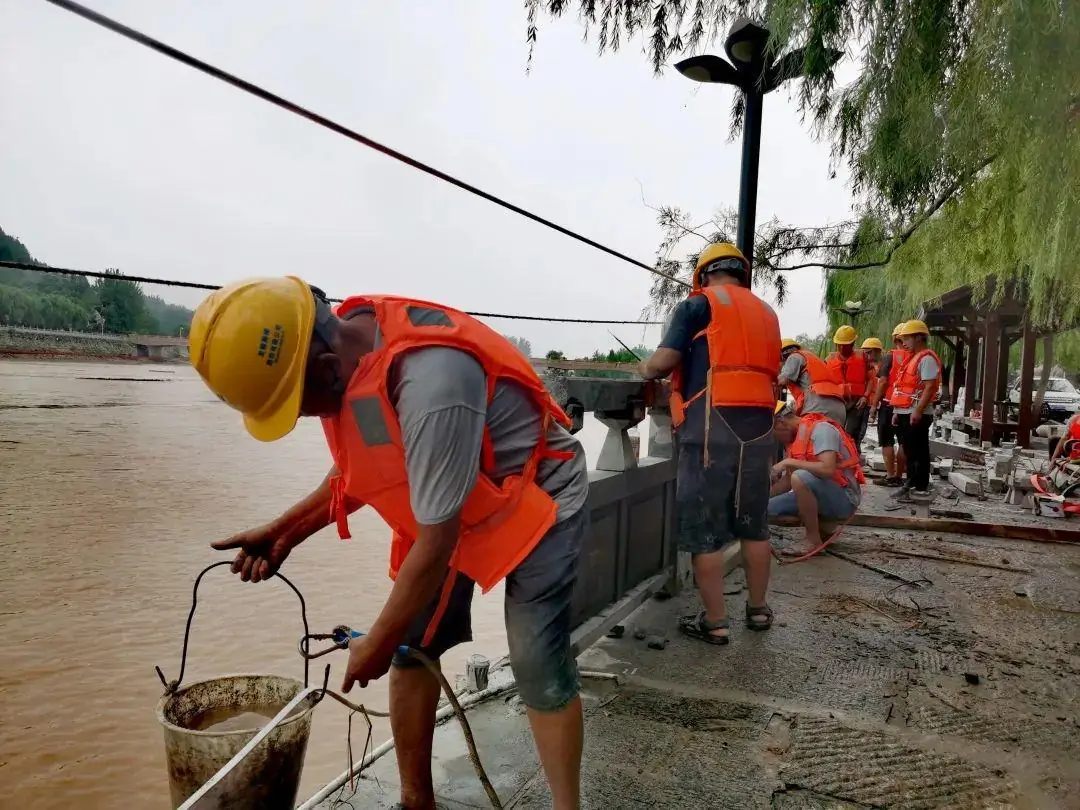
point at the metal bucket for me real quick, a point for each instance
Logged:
(269, 777)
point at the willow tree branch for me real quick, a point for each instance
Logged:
(902, 239)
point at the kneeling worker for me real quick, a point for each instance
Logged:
(821, 477)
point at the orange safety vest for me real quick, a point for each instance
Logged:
(899, 357)
(500, 523)
(909, 387)
(851, 371)
(743, 338)
(823, 382)
(802, 448)
(1073, 436)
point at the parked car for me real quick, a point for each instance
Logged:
(1062, 399)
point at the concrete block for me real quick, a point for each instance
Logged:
(946, 466)
(964, 483)
(877, 463)
(1022, 482)
(1002, 465)
(996, 484)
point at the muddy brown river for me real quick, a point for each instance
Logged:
(113, 480)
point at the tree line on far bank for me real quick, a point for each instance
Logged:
(52, 301)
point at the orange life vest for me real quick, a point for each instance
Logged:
(802, 448)
(743, 338)
(823, 382)
(852, 373)
(899, 357)
(909, 387)
(500, 523)
(1073, 436)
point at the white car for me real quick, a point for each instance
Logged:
(1062, 398)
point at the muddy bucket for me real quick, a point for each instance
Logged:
(207, 723)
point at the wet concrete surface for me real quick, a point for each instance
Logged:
(862, 695)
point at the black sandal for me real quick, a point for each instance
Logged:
(702, 629)
(757, 624)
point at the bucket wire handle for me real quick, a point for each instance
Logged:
(172, 686)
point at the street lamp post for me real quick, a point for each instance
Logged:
(754, 71)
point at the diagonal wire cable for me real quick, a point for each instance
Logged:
(195, 285)
(333, 126)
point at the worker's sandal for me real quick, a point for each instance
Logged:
(702, 629)
(752, 620)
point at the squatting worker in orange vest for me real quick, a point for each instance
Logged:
(850, 367)
(821, 478)
(722, 349)
(888, 371)
(912, 401)
(1067, 446)
(442, 426)
(813, 386)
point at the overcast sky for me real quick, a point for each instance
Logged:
(114, 156)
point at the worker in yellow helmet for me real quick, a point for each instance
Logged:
(722, 350)
(917, 384)
(393, 380)
(893, 454)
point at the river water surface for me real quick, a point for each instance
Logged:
(113, 480)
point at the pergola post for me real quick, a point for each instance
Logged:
(1026, 421)
(971, 371)
(959, 366)
(991, 365)
(1003, 367)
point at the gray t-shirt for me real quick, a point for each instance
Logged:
(794, 370)
(929, 368)
(826, 438)
(440, 396)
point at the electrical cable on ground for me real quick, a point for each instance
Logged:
(195, 285)
(259, 92)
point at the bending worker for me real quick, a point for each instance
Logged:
(813, 386)
(820, 479)
(912, 401)
(850, 367)
(722, 350)
(888, 371)
(442, 426)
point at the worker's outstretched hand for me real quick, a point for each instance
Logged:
(369, 660)
(261, 552)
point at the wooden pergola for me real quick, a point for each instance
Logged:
(980, 323)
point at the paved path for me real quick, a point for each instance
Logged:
(857, 698)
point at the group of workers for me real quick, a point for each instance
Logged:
(445, 429)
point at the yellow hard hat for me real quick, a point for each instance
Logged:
(787, 343)
(872, 343)
(249, 342)
(844, 335)
(714, 253)
(914, 327)
(898, 329)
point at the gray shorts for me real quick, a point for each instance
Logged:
(537, 608)
(832, 499)
(726, 500)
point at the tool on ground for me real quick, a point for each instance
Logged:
(638, 356)
(885, 572)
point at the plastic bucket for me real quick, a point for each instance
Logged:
(269, 777)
